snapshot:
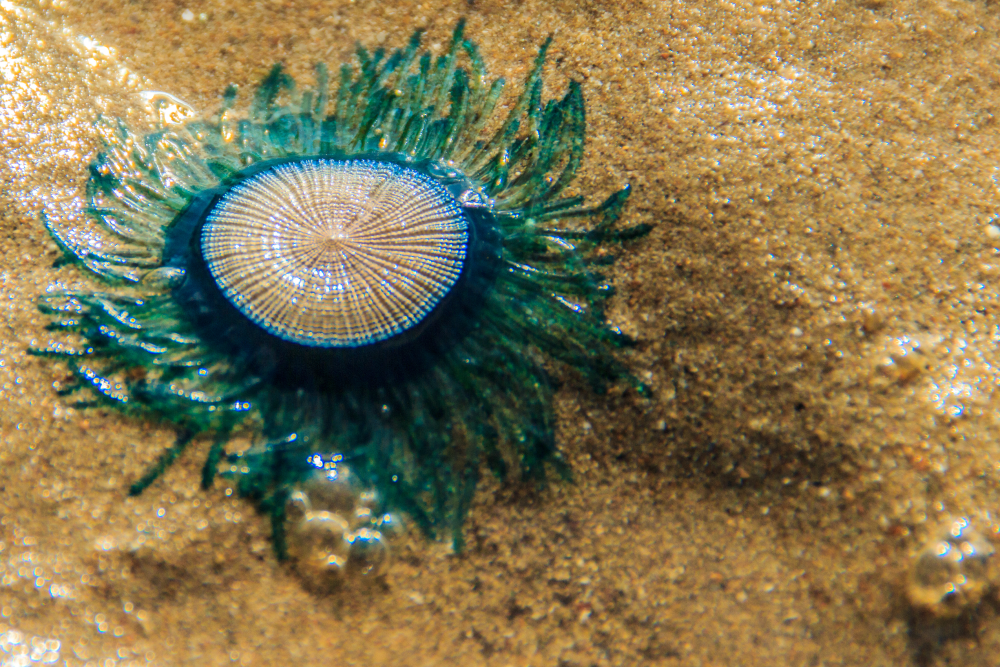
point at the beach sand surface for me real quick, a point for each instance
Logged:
(815, 309)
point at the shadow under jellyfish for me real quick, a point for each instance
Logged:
(372, 280)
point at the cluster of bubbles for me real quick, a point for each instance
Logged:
(954, 571)
(335, 528)
(19, 650)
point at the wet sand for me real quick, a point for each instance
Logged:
(815, 308)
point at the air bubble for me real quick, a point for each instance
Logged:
(953, 571)
(336, 532)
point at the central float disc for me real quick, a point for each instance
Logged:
(336, 253)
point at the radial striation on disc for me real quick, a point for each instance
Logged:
(336, 253)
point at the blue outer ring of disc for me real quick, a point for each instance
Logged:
(228, 331)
